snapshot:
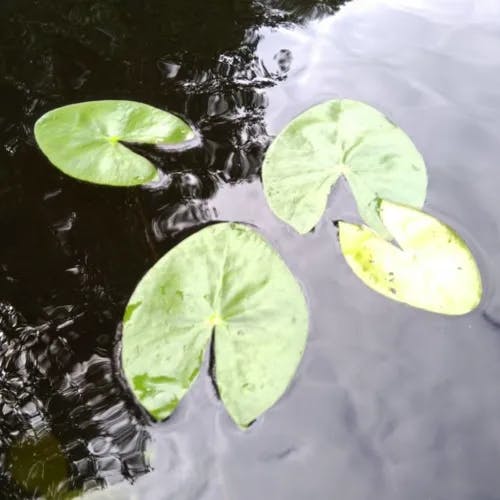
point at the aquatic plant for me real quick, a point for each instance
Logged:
(226, 285)
(87, 140)
(334, 139)
(432, 268)
(223, 282)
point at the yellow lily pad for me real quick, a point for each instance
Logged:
(432, 269)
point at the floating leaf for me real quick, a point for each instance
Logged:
(337, 138)
(433, 269)
(84, 140)
(225, 280)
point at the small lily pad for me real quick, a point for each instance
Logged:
(341, 138)
(84, 140)
(433, 268)
(227, 281)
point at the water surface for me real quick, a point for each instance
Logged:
(389, 402)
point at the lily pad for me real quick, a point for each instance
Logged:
(341, 138)
(227, 281)
(84, 140)
(432, 268)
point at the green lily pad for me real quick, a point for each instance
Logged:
(433, 268)
(84, 140)
(341, 138)
(225, 280)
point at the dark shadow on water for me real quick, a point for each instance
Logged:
(72, 252)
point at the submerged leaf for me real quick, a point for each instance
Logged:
(433, 269)
(348, 138)
(84, 140)
(225, 280)
(39, 467)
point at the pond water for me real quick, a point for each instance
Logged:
(389, 402)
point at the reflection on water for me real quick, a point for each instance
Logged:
(49, 395)
(389, 402)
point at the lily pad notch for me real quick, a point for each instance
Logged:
(213, 286)
(85, 140)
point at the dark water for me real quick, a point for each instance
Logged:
(389, 403)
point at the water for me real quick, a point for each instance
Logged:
(389, 402)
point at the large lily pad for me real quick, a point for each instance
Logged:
(224, 280)
(433, 268)
(336, 138)
(84, 140)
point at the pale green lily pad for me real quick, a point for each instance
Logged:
(433, 270)
(84, 140)
(226, 280)
(341, 137)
